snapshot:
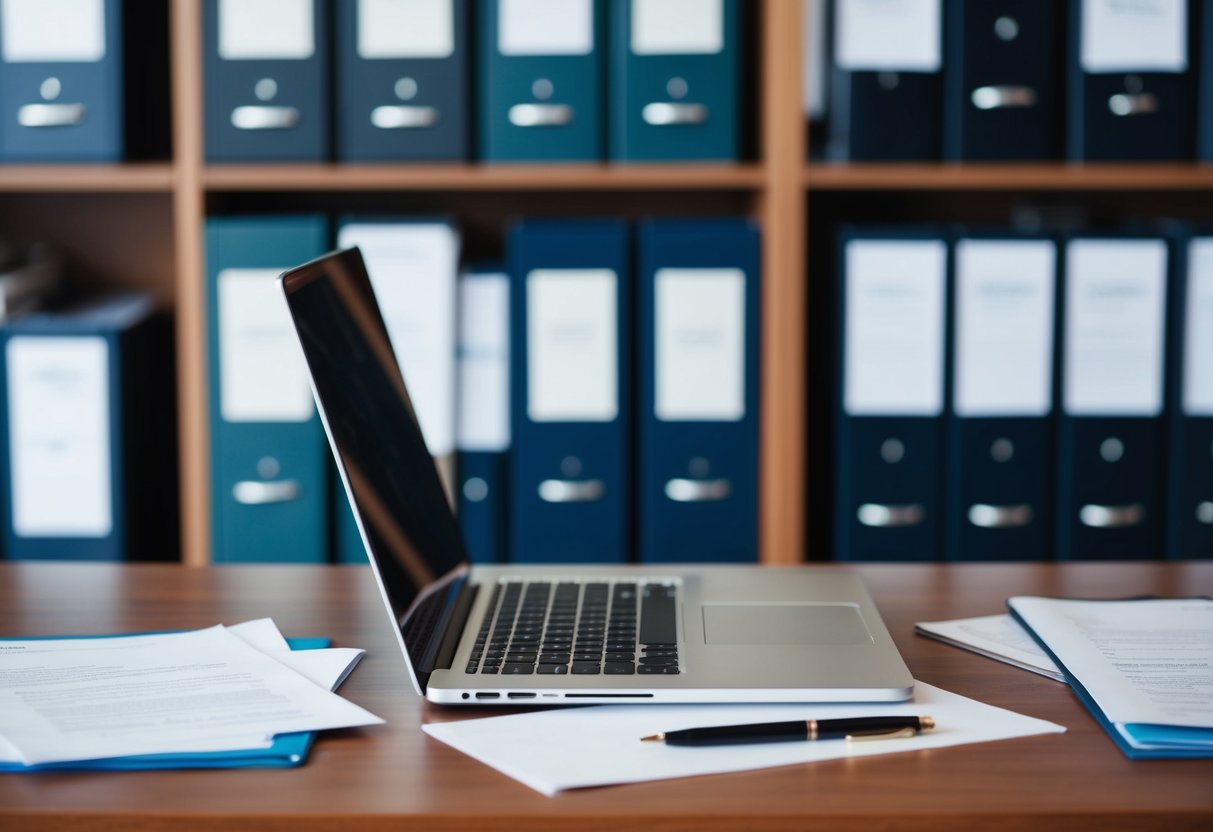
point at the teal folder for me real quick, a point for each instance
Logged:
(287, 751)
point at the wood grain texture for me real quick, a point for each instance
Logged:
(132, 177)
(394, 777)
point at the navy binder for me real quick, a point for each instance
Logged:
(699, 333)
(482, 430)
(1190, 491)
(89, 423)
(402, 80)
(1130, 88)
(266, 80)
(1002, 68)
(541, 80)
(1000, 428)
(888, 494)
(270, 463)
(675, 79)
(570, 391)
(886, 96)
(1110, 448)
(70, 90)
(1204, 92)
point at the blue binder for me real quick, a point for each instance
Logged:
(1002, 69)
(1110, 447)
(89, 426)
(402, 80)
(1130, 86)
(1190, 488)
(675, 80)
(1000, 428)
(482, 434)
(541, 80)
(266, 80)
(74, 93)
(570, 391)
(888, 494)
(1204, 90)
(699, 339)
(886, 96)
(270, 462)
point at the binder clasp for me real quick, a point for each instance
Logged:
(698, 491)
(571, 491)
(1112, 517)
(50, 115)
(889, 517)
(666, 114)
(262, 117)
(1004, 97)
(260, 493)
(1133, 104)
(540, 115)
(1000, 517)
(402, 116)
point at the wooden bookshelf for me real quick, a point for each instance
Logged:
(148, 177)
(1055, 176)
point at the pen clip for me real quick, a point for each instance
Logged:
(882, 734)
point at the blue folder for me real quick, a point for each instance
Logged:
(100, 484)
(1204, 83)
(287, 750)
(675, 80)
(541, 82)
(270, 461)
(402, 81)
(77, 94)
(570, 391)
(698, 402)
(266, 81)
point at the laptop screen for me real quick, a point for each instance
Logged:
(414, 537)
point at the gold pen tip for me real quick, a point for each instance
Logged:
(926, 723)
(654, 738)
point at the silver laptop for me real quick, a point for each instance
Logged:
(483, 635)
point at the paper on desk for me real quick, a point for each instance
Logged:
(994, 636)
(566, 749)
(202, 690)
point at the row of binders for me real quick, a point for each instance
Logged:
(593, 400)
(1009, 396)
(497, 80)
(1084, 80)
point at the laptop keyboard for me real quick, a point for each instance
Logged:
(612, 628)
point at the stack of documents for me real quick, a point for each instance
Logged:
(1143, 668)
(221, 697)
(995, 637)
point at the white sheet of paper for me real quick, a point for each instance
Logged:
(483, 358)
(567, 749)
(260, 633)
(52, 30)
(1198, 330)
(406, 29)
(1136, 36)
(1148, 661)
(888, 35)
(545, 27)
(79, 699)
(997, 637)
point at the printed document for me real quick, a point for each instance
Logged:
(996, 637)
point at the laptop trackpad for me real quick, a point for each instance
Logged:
(807, 624)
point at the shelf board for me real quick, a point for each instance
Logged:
(1056, 176)
(132, 177)
(474, 177)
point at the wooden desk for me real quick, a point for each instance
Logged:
(394, 777)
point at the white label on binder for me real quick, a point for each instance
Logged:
(572, 345)
(545, 27)
(58, 407)
(413, 267)
(1114, 328)
(677, 27)
(1134, 36)
(52, 30)
(1198, 330)
(895, 293)
(262, 372)
(1004, 327)
(484, 363)
(406, 28)
(815, 59)
(888, 35)
(266, 30)
(700, 345)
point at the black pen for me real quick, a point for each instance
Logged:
(858, 728)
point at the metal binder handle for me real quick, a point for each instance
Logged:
(698, 491)
(263, 117)
(571, 491)
(540, 115)
(261, 493)
(403, 117)
(891, 517)
(1112, 517)
(1000, 517)
(665, 114)
(1004, 97)
(50, 115)
(1133, 104)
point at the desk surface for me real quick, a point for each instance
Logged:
(392, 776)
